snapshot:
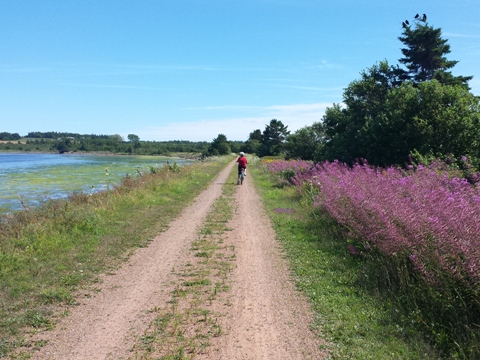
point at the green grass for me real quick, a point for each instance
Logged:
(48, 254)
(357, 323)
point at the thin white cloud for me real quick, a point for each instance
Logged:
(295, 116)
(110, 86)
(315, 88)
(128, 69)
(324, 65)
(457, 35)
(22, 69)
(229, 108)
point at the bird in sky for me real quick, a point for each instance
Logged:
(417, 16)
(424, 17)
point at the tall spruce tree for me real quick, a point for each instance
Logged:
(273, 138)
(424, 55)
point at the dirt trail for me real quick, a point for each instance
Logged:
(267, 319)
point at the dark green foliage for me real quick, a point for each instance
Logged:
(256, 135)
(133, 138)
(9, 136)
(433, 119)
(63, 146)
(58, 135)
(347, 129)
(305, 143)
(254, 142)
(252, 146)
(237, 146)
(387, 125)
(273, 138)
(219, 146)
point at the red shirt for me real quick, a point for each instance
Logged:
(242, 162)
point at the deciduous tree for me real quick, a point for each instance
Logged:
(133, 138)
(305, 143)
(219, 146)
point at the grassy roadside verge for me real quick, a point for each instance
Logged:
(356, 323)
(48, 254)
(184, 326)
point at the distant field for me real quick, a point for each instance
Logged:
(22, 141)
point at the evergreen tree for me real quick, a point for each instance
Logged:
(273, 138)
(424, 55)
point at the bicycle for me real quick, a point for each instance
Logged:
(241, 176)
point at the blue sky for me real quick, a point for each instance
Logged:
(192, 69)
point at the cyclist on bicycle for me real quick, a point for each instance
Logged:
(242, 163)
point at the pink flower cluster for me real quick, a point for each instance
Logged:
(424, 215)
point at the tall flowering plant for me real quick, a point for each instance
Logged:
(424, 222)
(424, 215)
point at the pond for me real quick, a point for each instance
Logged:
(28, 179)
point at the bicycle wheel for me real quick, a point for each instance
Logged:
(241, 176)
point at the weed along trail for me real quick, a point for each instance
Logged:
(215, 285)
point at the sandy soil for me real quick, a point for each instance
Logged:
(268, 319)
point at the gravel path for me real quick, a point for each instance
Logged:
(268, 319)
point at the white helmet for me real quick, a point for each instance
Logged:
(242, 153)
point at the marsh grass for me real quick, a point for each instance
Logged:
(184, 327)
(48, 253)
(358, 322)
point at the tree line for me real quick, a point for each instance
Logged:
(63, 135)
(68, 142)
(270, 142)
(6, 136)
